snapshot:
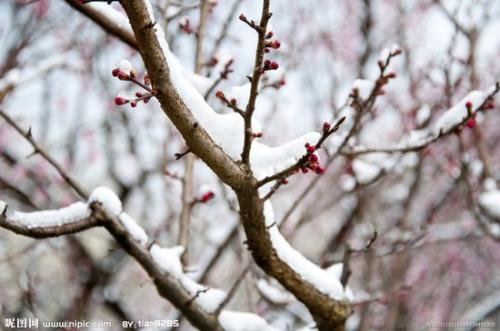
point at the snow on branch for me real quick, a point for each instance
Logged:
(48, 223)
(210, 299)
(227, 130)
(489, 200)
(323, 280)
(50, 218)
(453, 119)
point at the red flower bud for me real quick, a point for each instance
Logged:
(320, 170)
(274, 65)
(122, 75)
(471, 122)
(326, 127)
(220, 95)
(207, 197)
(133, 104)
(115, 72)
(310, 149)
(120, 101)
(273, 44)
(468, 105)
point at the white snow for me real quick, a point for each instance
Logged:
(3, 205)
(274, 294)
(423, 115)
(133, 228)
(201, 83)
(347, 182)
(489, 201)
(125, 66)
(458, 113)
(336, 270)
(447, 121)
(72, 213)
(319, 278)
(365, 172)
(208, 298)
(107, 198)
(115, 16)
(239, 321)
(489, 184)
(227, 131)
(168, 258)
(364, 87)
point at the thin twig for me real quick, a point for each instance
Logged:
(40, 150)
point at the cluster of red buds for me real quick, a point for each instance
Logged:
(270, 65)
(312, 162)
(185, 25)
(125, 71)
(268, 43)
(123, 98)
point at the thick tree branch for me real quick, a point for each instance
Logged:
(104, 22)
(196, 137)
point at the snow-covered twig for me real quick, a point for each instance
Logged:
(302, 162)
(51, 223)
